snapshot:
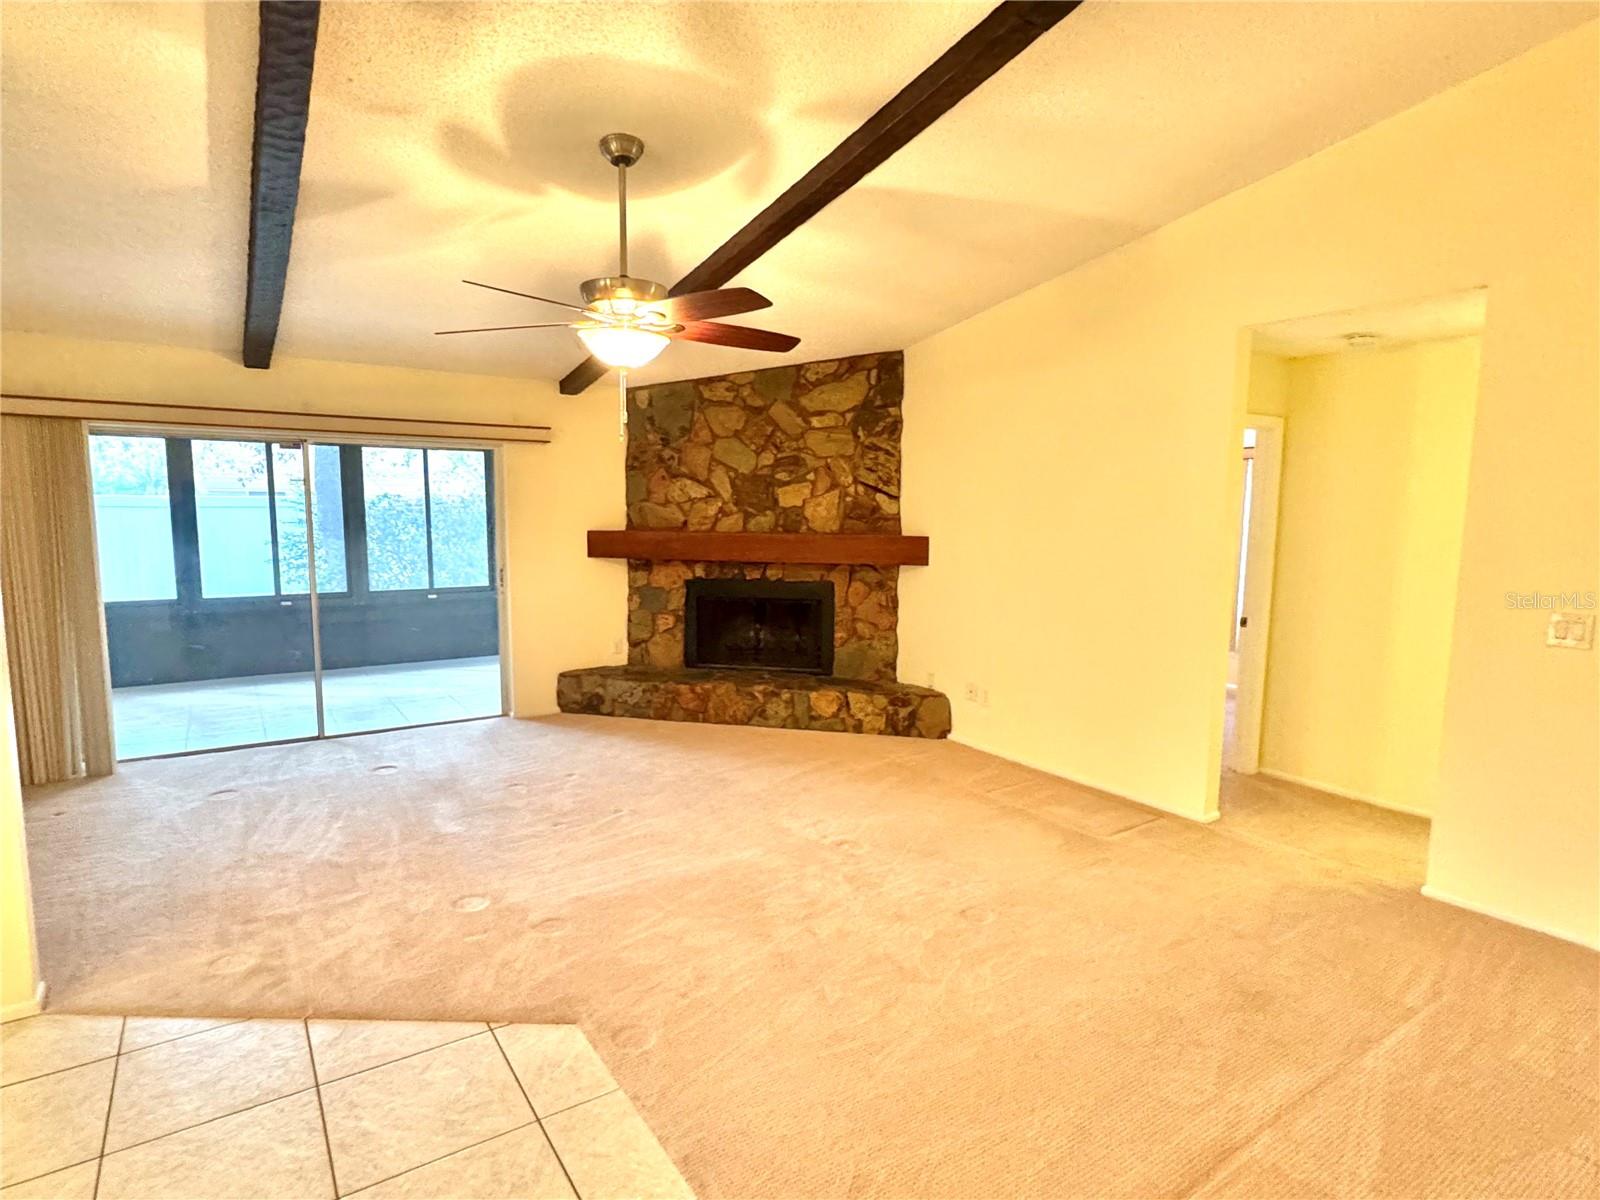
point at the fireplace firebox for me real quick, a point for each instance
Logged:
(760, 624)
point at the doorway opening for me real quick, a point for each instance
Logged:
(1355, 450)
(260, 590)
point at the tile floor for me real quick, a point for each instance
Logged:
(167, 718)
(118, 1108)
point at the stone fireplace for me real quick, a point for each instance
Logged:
(808, 457)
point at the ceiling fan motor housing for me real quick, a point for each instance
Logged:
(622, 287)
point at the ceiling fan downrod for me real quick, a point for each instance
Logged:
(621, 297)
(622, 150)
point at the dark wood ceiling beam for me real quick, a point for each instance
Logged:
(581, 376)
(991, 44)
(283, 102)
(997, 39)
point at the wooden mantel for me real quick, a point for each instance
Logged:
(679, 545)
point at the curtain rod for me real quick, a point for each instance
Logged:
(192, 414)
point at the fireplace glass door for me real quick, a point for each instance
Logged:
(765, 625)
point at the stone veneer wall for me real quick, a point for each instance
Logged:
(812, 448)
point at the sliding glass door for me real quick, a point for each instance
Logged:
(417, 638)
(210, 636)
(233, 619)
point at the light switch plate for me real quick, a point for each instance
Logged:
(1570, 630)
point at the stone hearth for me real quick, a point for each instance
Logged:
(811, 449)
(780, 699)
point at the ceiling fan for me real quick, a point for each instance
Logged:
(626, 321)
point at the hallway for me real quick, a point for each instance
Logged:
(1378, 842)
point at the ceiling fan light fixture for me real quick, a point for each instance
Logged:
(622, 345)
(625, 320)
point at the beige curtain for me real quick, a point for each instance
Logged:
(55, 626)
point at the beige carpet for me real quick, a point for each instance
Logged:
(852, 966)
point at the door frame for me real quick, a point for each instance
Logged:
(1243, 753)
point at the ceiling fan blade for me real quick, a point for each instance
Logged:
(499, 328)
(719, 302)
(740, 336)
(527, 295)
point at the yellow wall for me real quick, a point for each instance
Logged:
(18, 966)
(1372, 503)
(1269, 385)
(1072, 453)
(565, 610)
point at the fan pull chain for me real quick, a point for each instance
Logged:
(622, 403)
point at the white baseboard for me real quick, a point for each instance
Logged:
(25, 1008)
(1483, 910)
(1023, 762)
(1346, 793)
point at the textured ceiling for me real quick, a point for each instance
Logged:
(451, 141)
(1392, 325)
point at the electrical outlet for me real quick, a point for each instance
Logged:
(1570, 630)
(620, 646)
(928, 680)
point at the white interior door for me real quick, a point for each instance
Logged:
(1253, 602)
